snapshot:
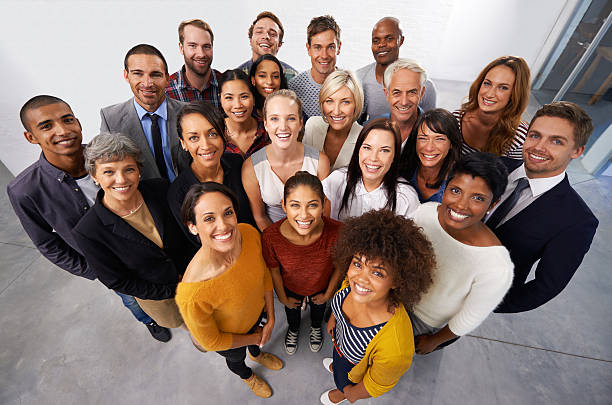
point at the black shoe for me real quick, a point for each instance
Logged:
(159, 332)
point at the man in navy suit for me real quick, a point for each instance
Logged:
(545, 219)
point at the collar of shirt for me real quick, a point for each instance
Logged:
(162, 110)
(184, 84)
(51, 170)
(538, 186)
(360, 189)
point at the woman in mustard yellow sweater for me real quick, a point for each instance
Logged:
(388, 264)
(227, 289)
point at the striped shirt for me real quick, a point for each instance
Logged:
(516, 147)
(180, 89)
(351, 340)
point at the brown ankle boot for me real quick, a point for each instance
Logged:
(258, 386)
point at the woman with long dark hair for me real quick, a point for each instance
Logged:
(266, 76)
(245, 131)
(371, 180)
(430, 152)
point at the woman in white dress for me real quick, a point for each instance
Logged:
(336, 131)
(265, 172)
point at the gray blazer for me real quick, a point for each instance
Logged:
(123, 118)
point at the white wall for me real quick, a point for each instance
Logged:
(75, 49)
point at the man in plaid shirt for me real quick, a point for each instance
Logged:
(196, 80)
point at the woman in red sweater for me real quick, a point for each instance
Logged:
(298, 251)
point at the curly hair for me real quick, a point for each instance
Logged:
(398, 243)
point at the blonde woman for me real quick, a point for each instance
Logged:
(336, 131)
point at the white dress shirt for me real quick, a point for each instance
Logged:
(362, 201)
(536, 188)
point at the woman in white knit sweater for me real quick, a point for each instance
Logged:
(474, 270)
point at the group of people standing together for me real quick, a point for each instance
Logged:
(208, 193)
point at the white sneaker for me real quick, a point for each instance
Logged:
(316, 339)
(291, 342)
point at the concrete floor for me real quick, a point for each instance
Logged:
(67, 340)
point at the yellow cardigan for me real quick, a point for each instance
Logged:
(230, 303)
(388, 355)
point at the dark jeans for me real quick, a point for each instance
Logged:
(131, 304)
(294, 315)
(341, 367)
(235, 357)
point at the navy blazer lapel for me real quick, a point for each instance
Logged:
(547, 202)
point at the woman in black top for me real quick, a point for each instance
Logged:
(200, 128)
(129, 236)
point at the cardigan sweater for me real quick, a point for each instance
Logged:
(468, 281)
(231, 302)
(388, 355)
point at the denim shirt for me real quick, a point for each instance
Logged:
(435, 197)
(49, 203)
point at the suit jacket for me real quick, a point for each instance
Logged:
(123, 118)
(557, 229)
(127, 261)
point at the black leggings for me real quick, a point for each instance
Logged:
(294, 315)
(235, 357)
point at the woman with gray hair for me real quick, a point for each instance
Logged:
(336, 131)
(129, 237)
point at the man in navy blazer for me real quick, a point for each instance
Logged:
(146, 71)
(549, 221)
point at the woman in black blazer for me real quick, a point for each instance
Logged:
(129, 236)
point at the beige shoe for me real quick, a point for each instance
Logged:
(258, 386)
(268, 360)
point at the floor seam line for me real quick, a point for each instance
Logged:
(541, 348)
(19, 275)
(17, 244)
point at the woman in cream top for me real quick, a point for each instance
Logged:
(336, 131)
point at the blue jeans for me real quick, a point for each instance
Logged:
(131, 304)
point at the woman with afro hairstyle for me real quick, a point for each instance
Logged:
(388, 264)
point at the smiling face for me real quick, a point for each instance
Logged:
(118, 179)
(464, 203)
(376, 156)
(404, 94)
(304, 209)
(266, 38)
(549, 147)
(386, 42)
(197, 49)
(339, 108)
(431, 147)
(202, 141)
(55, 129)
(322, 49)
(237, 100)
(216, 222)
(282, 121)
(496, 88)
(370, 280)
(267, 78)
(148, 80)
